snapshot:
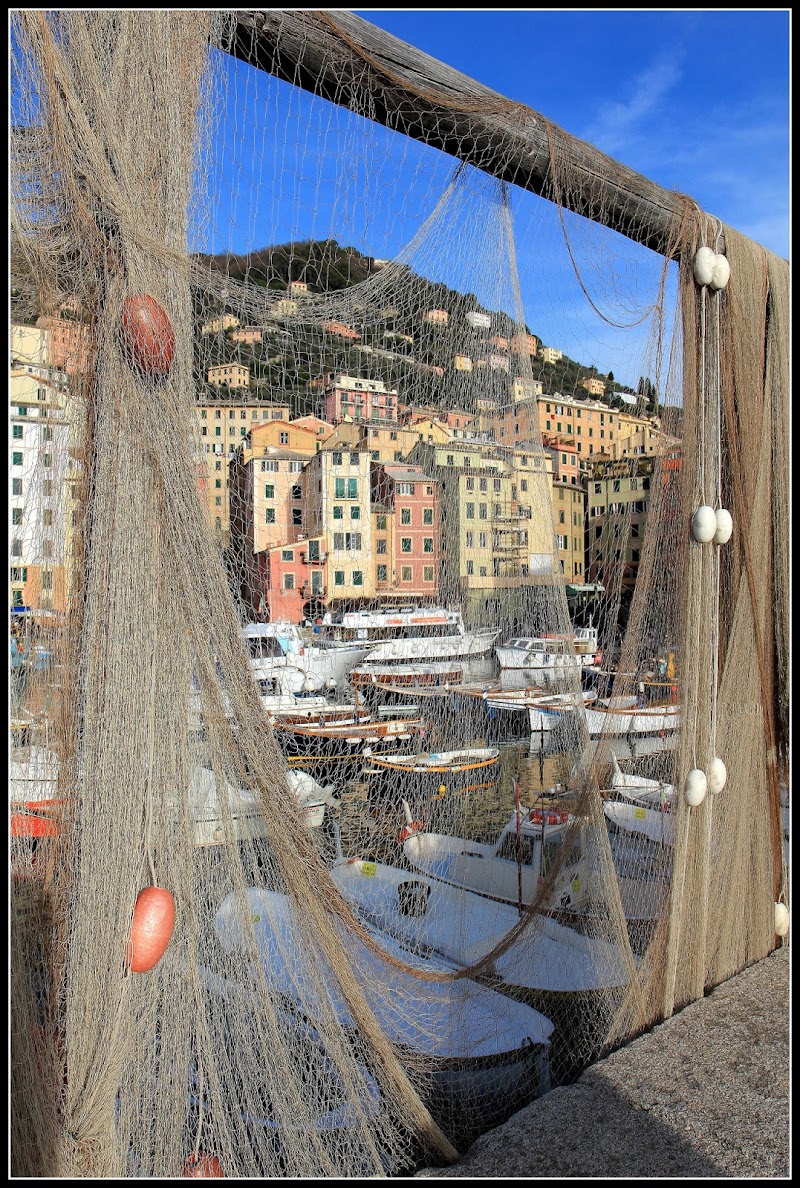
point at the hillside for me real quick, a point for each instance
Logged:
(289, 358)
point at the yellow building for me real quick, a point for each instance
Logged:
(568, 521)
(231, 375)
(496, 527)
(617, 503)
(222, 429)
(550, 354)
(337, 508)
(593, 385)
(219, 324)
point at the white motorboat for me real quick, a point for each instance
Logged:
(437, 654)
(552, 653)
(429, 915)
(487, 1053)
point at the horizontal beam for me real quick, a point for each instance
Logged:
(350, 62)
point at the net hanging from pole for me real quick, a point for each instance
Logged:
(375, 662)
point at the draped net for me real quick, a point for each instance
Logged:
(337, 413)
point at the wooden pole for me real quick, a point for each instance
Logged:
(350, 62)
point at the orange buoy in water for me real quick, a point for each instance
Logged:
(146, 336)
(202, 1166)
(151, 930)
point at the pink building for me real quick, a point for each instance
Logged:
(340, 330)
(359, 399)
(406, 531)
(292, 580)
(566, 460)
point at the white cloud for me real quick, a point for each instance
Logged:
(617, 124)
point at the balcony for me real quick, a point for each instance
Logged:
(309, 560)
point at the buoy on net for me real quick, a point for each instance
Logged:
(199, 1167)
(724, 526)
(151, 929)
(695, 787)
(720, 273)
(704, 524)
(146, 336)
(716, 775)
(703, 267)
(781, 919)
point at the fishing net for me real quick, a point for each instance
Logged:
(370, 681)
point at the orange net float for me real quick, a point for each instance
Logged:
(146, 336)
(151, 929)
(200, 1167)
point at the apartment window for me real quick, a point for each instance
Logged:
(339, 488)
(47, 518)
(470, 540)
(16, 486)
(287, 555)
(450, 460)
(217, 523)
(47, 579)
(483, 511)
(16, 548)
(296, 492)
(375, 455)
(427, 573)
(496, 484)
(284, 438)
(218, 415)
(218, 466)
(354, 459)
(482, 571)
(427, 544)
(338, 513)
(484, 485)
(405, 515)
(338, 577)
(381, 573)
(561, 517)
(269, 515)
(523, 486)
(405, 544)
(288, 581)
(218, 502)
(269, 490)
(337, 458)
(16, 515)
(381, 546)
(269, 467)
(467, 463)
(469, 511)
(16, 458)
(470, 568)
(470, 484)
(547, 424)
(380, 523)
(646, 484)
(358, 577)
(427, 515)
(498, 509)
(483, 540)
(17, 431)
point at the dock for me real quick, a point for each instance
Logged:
(704, 1094)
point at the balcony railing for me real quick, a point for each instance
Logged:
(309, 560)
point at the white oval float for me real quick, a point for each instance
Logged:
(704, 262)
(716, 775)
(720, 273)
(781, 919)
(695, 787)
(704, 524)
(724, 526)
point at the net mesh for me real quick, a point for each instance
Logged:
(373, 666)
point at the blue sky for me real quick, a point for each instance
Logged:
(697, 101)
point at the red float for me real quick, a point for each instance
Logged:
(146, 336)
(151, 930)
(202, 1166)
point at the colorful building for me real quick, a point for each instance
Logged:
(405, 532)
(359, 399)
